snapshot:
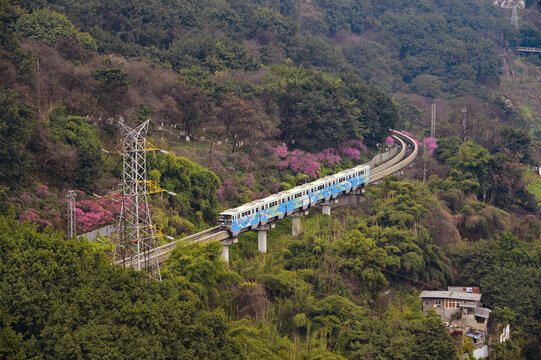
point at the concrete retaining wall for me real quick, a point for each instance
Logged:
(104, 231)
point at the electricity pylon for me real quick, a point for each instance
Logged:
(72, 224)
(514, 15)
(137, 237)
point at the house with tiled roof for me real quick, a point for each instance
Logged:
(462, 312)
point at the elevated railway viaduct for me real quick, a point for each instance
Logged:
(407, 154)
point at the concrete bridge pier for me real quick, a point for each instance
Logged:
(262, 237)
(225, 253)
(327, 206)
(227, 243)
(296, 226)
(326, 209)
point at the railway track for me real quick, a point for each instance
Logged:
(398, 162)
(401, 160)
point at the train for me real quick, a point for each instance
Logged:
(276, 206)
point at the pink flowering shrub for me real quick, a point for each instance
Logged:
(352, 149)
(92, 214)
(228, 190)
(350, 152)
(33, 216)
(43, 191)
(241, 161)
(216, 162)
(249, 180)
(389, 141)
(281, 151)
(431, 144)
(328, 157)
(26, 197)
(298, 161)
(356, 144)
(302, 162)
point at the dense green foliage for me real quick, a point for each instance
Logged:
(65, 300)
(15, 128)
(431, 47)
(195, 187)
(76, 132)
(52, 27)
(509, 274)
(495, 178)
(260, 73)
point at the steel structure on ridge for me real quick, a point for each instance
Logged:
(72, 224)
(514, 16)
(137, 236)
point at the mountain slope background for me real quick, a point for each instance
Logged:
(271, 94)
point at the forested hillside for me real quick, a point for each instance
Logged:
(251, 97)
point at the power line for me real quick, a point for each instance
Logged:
(25, 190)
(53, 170)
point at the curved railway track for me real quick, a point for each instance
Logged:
(216, 233)
(398, 162)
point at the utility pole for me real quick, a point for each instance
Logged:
(514, 15)
(424, 161)
(72, 221)
(38, 87)
(464, 124)
(137, 237)
(433, 122)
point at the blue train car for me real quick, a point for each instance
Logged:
(259, 212)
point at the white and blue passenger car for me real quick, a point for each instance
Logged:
(259, 212)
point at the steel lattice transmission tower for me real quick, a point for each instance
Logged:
(514, 15)
(137, 236)
(72, 221)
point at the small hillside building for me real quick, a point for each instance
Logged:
(461, 311)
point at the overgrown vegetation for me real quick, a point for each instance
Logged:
(271, 94)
